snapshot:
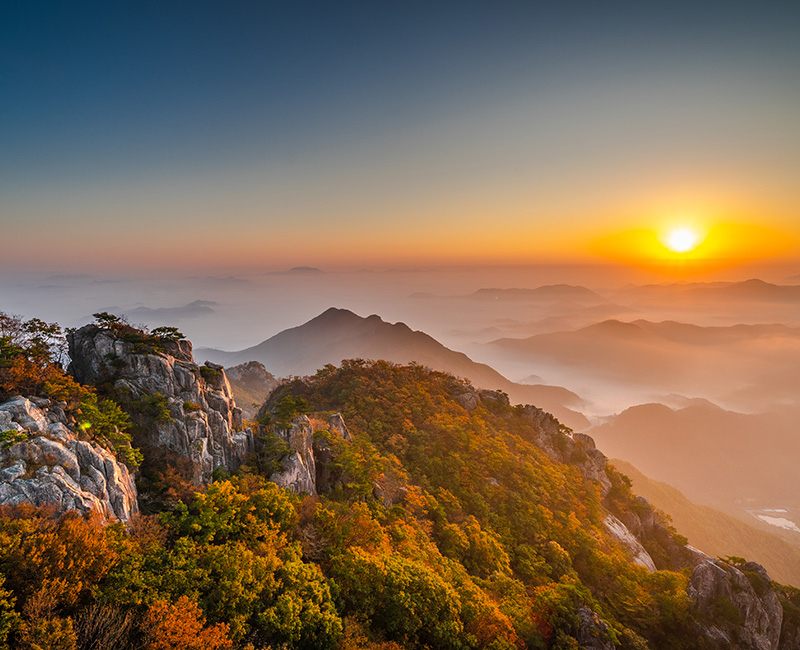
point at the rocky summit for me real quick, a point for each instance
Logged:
(183, 407)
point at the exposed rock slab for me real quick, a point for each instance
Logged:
(52, 467)
(621, 533)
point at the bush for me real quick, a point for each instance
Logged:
(109, 425)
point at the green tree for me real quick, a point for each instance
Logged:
(9, 618)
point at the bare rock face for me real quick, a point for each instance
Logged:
(328, 474)
(621, 533)
(298, 471)
(204, 424)
(52, 467)
(337, 426)
(742, 609)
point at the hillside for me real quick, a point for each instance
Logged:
(375, 506)
(717, 533)
(339, 334)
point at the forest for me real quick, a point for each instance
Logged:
(441, 521)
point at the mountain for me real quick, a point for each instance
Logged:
(753, 290)
(750, 365)
(552, 292)
(439, 517)
(715, 532)
(251, 385)
(339, 334)
(733, 461)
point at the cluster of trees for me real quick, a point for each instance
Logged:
(445, 528)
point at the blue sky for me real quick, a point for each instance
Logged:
(394, 129)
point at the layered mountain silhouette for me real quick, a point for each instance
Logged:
(339, 334)
(751, 365)
(715, 532)
(753, 290)
(550, 292)
(733, 461)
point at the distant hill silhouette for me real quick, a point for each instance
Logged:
(728, 460)
(715, 532)
(752, 365)
(339, 334)
(551, 292)
(753, 290)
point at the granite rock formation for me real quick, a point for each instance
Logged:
(203, 423)
(743, 609)
(51, 466)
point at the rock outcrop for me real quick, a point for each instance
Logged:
(203, 423)
(564, 446)
(53, 467)
(742, 610)
(592, 631)
(621, 533)
(309, 466)
(298, 469)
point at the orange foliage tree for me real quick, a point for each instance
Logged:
(181, 626)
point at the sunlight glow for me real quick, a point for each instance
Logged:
(682, 240)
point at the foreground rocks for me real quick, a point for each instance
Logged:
(176, 404)
(53, 467)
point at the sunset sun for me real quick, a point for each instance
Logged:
(681, 240)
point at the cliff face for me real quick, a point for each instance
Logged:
(52, 467)
(201, 421)
(743, 610)
(310, 464)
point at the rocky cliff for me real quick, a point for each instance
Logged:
(51, 466)
(309, 462)
(175, 403)
(742, 609)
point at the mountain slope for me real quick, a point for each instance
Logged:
(717, 533)
(339, 334)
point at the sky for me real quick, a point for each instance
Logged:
(252, 136)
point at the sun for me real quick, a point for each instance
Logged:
(681, 239)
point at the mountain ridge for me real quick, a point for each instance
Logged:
(337, 334)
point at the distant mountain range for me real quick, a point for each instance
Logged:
(752, 365)
(753, 290)
(732, 461)
(546, 293)
(339, 334)
(717, 533)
